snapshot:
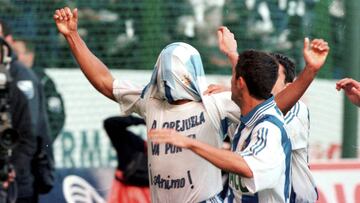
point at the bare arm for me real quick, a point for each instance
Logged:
(228, 45)
(223, 159)
(94, 70)
(216, 88)
(315, 53)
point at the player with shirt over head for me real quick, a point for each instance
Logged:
(172, 99)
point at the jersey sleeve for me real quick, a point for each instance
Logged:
(225, 111)
(129, 98)
(227, 107)
(265, 157)
(298, 126)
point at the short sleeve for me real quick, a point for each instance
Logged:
(265, 157)
(129, 98)
(224, 110)
(298, 126)
(227, 108)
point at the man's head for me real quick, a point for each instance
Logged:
(255, 75)
(24, 51)
(286, 72)
(178, 75)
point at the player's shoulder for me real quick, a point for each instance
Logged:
(299, 109)
(269, 122)
(125, 84)
(298, 112)
(302, 105)
(226, 95)
(223, 101)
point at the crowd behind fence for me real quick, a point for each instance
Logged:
(129, 34)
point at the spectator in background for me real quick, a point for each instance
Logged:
(35, 171)
(53, 99)
(25, 52)
(131, 183)
(351, 88)
(21, 122)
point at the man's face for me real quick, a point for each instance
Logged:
(280, 82)
(24, 55)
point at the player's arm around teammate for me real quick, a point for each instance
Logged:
(315, 54)
(221, 158)
(95, 71)
(351, 88)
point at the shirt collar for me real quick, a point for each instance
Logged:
(256, 113)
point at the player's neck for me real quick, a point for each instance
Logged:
(249, 104)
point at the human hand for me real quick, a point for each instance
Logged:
(351, 88)
(66, 21)
(227, 42)
(169, 136)
(215, 88)
(11, 178)
(315, 53)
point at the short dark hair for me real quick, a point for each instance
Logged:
(288, 64)
(260, 72)
(5, 28)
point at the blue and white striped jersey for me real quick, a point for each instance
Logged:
(262, 141)
(298, 127)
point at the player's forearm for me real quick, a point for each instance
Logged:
(223, 159)
(95, 71)
(233, 58)
(288, 97)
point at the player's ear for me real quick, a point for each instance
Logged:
(240, 82)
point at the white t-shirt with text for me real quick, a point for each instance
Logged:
(176, 174)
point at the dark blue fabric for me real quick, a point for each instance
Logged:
(250, 198)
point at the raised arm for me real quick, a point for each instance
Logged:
(94, 70)
(228, 45)
(223, 159)
(315, 53)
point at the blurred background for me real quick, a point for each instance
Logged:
(127, 35)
